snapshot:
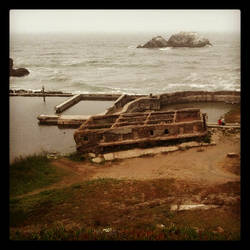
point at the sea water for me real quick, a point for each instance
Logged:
(111, 63)
(108, 63)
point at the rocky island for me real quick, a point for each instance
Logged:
(17, 72)
(181, 39)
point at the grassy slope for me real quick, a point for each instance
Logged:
(93, 205)
(32, 172)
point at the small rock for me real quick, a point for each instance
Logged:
(107, 230)
(109, 156)
(97, 160)
(160, 226)
(197, 230)
(232, 155)
(91, 155)
(219, 230)
(200, 149)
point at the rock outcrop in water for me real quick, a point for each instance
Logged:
(17, 72)
(156, 42)
(182, 39)
(187, 39)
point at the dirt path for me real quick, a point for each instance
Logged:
(208, 166)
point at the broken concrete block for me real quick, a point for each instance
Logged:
(190, 144)
(232, 155)
(108, 156)
(97, 160)
(91, 155)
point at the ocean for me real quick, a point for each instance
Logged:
(111, 63)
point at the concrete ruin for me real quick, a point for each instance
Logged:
(105, 133)
(141, 121)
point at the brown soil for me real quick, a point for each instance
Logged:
(150, 185)
(207, 165)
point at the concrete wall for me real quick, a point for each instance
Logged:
(93, 141)
(187, 115)
(68, 103)
(119, 103)
(142, 104)
(132, 103)
(200, 96)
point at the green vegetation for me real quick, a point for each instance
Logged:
(75, 156)
(84, 210)
(207, 137)
(32, 172)
(59, 232)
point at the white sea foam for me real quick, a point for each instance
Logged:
(167, 48)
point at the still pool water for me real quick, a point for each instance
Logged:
(28, 137)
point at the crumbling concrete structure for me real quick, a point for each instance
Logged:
(105, 133)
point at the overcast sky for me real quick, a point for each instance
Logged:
(40, 21)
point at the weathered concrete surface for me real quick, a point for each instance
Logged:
(68, 103)
(99, 133)
(142, 104)
(137, 152)
(71, 120)
(63, 120)
(121, 102)
(200, 96)
(48, 119)
(227, 126)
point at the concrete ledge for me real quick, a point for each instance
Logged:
(72, 120)
(132, 153)
(48, 119)
(228, 125)
(63, 120)
(68, 103)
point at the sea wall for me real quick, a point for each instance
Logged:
(142, 104)
(120, 103)
(200, 96)
(68, 103)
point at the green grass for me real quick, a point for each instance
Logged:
(32, 172)
(58, 232)
(93, 205)
(75, 156)
(22, 210)
(207, 137)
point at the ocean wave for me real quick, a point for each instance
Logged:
(132, 47)
(166, 49)
(87, 63)
(192, 77)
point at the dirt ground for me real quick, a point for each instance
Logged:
(150, 184)
(206, 165)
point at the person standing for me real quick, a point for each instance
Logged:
(223, 121)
